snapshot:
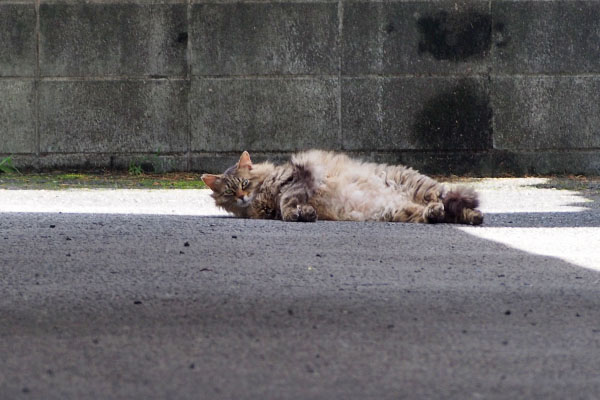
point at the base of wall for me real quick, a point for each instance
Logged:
(492, 163)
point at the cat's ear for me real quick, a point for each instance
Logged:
(245, 161)
(210, 180)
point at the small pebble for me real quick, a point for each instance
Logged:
(234, 236)
(507, 312)
(137, 302)
(52, 226)
(187, 244)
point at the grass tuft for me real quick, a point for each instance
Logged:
(6, 166)
(62, 180)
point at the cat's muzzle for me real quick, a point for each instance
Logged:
(244, 201)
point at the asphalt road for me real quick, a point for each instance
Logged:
(161, 306)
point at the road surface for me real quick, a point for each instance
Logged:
(157, 295)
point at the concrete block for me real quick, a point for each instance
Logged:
(445, 37)
(113, 116)
(17, 116)
(586, 162)
(416, 113)
(98, 161)
(17, 40)
(546, 36)
(103, 39)
(263, 39)
(546, 112)
(500, 163)
(436, 162)
(216, 163)
(264, 114)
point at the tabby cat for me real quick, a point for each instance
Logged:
(324, 185)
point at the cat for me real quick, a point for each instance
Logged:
(325, 185)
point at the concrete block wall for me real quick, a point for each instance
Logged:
(485, 87)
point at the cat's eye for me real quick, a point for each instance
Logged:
(245, 183)
(228, 192)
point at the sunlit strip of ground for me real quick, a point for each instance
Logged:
(579, 246)
(527, 195)
(110, 201)
(573, 244)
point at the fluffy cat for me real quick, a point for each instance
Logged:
(325, 185)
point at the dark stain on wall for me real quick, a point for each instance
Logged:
(459, 119)
(182, 37)
(455, 36)
(500, 37)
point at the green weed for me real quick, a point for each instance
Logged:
(6, 166)
(135, 168)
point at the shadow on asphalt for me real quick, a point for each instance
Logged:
(581, 219)
(147, 306)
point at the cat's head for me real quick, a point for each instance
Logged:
(233, 189)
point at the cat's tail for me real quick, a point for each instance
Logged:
(460, 203)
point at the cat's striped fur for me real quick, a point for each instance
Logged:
(332, 186)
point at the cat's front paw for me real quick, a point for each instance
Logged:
(434, 212)
(302, 213)
(306, 213)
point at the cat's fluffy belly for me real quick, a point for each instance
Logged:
(359, 200)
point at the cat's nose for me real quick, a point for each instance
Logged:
(240, 194)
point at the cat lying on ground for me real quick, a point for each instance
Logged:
(325, 185)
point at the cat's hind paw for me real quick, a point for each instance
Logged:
(472, 217)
